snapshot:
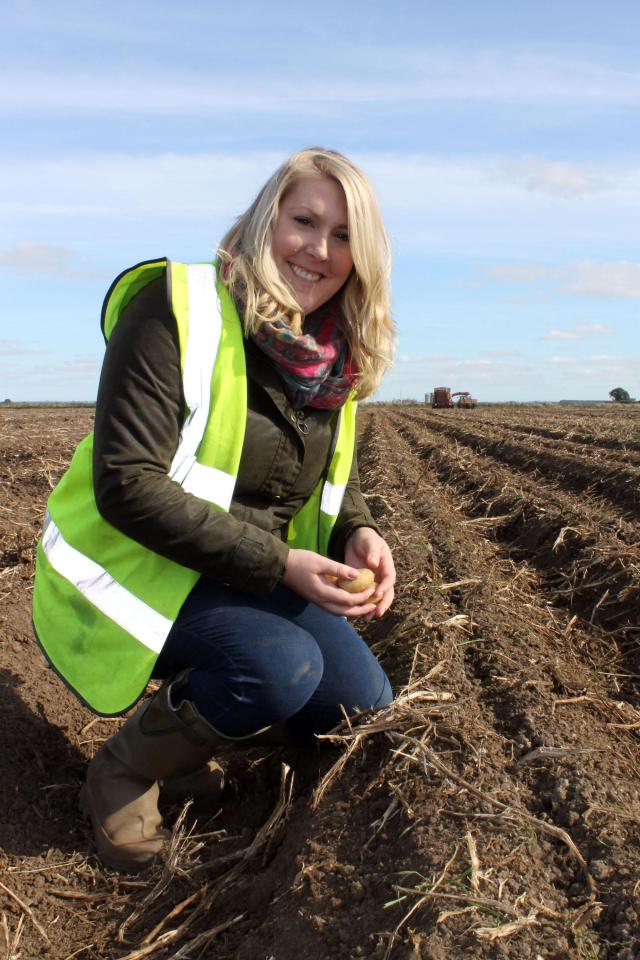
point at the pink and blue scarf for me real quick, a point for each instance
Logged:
(315, 366)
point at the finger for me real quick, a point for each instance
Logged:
(344, 571)
(354, 611)
(386, 584)
(355, 604)
(372, 555)
(371, 547)
(385, 603)
(387, 573)
(361, 611)
(357, 599)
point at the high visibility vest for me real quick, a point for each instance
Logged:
(103, 604)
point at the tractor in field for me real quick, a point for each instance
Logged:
(443, 399)
(465, 401)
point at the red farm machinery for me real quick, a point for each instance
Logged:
(443, 399)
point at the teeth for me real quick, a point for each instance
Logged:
(304, 274)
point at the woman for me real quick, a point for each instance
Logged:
(199, 534)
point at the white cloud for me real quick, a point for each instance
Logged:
(486, 367)
(500, 354)
(468, 205)
(556, 178)
(19, 348)
(434, 358)
(476, 202)
(598, 359)
(555, 377)
(74, 379)
(387, 74)
(618, 279)
(45, 258)
(468, 372)
(519, 272)
(119, 184)
(580, 331)
(596, 367)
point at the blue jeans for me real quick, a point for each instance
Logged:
(258, 662)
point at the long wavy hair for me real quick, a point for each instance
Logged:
(254, 281)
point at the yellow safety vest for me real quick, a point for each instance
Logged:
(103, 604)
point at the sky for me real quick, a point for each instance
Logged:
(502, 139)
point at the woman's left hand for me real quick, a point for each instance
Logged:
(366, 548)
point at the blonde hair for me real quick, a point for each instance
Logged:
(253, 279)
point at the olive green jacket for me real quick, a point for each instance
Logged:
(139, 411)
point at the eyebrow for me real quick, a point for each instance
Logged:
(304, 206)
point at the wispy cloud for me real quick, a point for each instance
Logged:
(596, 367)
(420, 74)
(432, 358)
(461, 204)
(608, 280)
(115, 184)
(556, 178)
(520, 272)
(20, 348)
(588, 377)
(580, 331)
(500, 354)
(467, 373)
(45, 258)
(73, 379)
(619, 279)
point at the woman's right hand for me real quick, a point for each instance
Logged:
(307, 573)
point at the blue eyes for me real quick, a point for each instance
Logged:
(307, 222)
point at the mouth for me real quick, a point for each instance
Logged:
(304, 274)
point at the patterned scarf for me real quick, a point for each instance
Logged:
(315, 367)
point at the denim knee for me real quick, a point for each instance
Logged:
(271, 681)
(386, 696)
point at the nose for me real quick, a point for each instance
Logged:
(319, 247)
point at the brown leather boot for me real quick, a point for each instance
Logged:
(123, 809)
(205, 783)
(158, 742)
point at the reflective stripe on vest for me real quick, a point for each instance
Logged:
(310, 528)
(195, 284)
(93, 582)
(332, 497)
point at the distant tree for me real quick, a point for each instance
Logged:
(6, 401)
(620, 395)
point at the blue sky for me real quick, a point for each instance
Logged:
(502, 138)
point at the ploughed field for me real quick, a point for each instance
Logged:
(491, 811)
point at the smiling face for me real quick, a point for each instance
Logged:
(310, 241)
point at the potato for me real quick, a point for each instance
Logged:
(365, 579)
